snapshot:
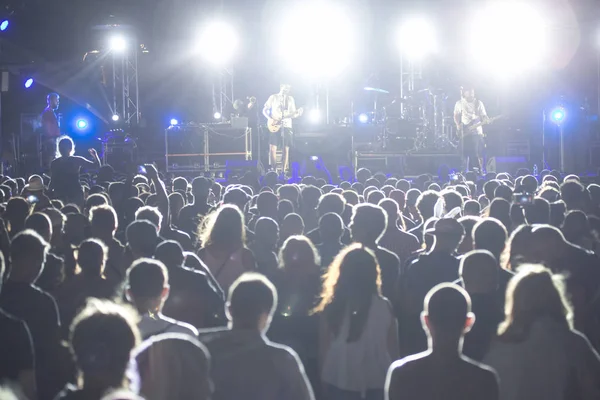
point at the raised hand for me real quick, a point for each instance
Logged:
(151, 171)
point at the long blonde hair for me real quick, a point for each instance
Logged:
(533, 293)
(349, 284)
(223, 228)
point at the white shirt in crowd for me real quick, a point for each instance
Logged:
(470, 112)
(278, 104)
(362, 364)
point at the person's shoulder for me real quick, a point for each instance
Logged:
(185, 210)
(209, 335)
(282, 353)
(388, 255)
(47, 113)
(579, 343)
(476, 366)
(408, 364)
(180, 326)
(41, 295)
(116, 243)
(408, 236)
(483, 375)
(9, 322)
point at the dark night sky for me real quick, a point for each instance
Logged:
(60, 30)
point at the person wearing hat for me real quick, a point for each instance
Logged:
(34, 190)
(439, 265)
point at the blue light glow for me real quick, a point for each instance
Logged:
(81, 124)
(558, 115)
(28, 83)
(4, 25)
(363, 118)
(174, 122)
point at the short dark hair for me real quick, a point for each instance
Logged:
(101, 337)
(369, 219)
(180, 183)
(250, 296)
(572, 193)
(40, 223)
(331, 202)
(538, 212)
(331, 226)
(91, 257)
(426, 203)
(452, 199)
(142, 236)
(447, 306)
(146, 279)
(472, 207)
(170, 253)
(149, 213)
(22, 244)
(490, 234)
(104, 218)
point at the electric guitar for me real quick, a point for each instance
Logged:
(472, 127)
(274, 125)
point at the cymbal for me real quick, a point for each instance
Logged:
(378, 90)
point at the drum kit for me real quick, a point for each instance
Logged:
(420, 121)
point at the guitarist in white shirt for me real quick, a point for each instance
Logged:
(469, 116)
(279, 110)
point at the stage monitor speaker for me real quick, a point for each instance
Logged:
(506, 164)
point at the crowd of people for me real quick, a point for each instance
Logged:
(144, 287)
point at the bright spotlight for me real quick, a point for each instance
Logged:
(507, 38)
(363, 118)
(217, 115)
(81, 124)
(218, 43)
(314, 116)
(117, 43)
(558, 115)
(417, 38)
(115, 117)
(316, 39)
(174, 122)
(3, 25)
(28, 83)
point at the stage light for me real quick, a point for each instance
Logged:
(117, 43)
(558, 115)
(115, 117)
(217, 115)
(81, 124)
(174, 122)
(316, 39)
(218, 43)
(28, 83)
(507, 38)
(417, 38)
(4, 25)
(314, 116)
(363, 118)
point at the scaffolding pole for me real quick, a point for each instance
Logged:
(126, 99)
(222, 91)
